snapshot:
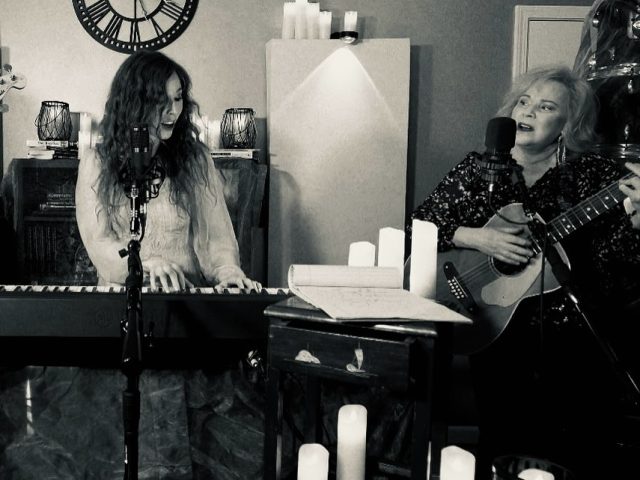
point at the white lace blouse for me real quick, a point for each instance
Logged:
(201, 242)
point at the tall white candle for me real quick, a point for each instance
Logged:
(85, 122)
(313, 18)
(324, 25)
(352, 442)
(214, 135)
(424, 255)
(391, 248)
(350, 21)
(289, 20)
(204, 132)
(362, 254)
(84, 144)
(84, 134)
(535, 474)
(313, 462)
(457, 464)
(301, 20)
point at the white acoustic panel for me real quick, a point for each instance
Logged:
(337, 124)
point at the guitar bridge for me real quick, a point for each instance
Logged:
(458, 289)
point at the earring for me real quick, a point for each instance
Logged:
(561, 151)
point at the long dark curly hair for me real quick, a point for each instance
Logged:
(138, 95)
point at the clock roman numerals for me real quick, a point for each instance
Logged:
(134, 35)
(128, 25)
(98, 10)
(156, 27)
(171, 10)
(113, 27)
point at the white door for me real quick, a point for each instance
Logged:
(545, 35)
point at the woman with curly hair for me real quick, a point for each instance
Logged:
(189, 239)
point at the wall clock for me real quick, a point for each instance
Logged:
(129, 25)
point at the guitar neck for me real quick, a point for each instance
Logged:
(584, 212)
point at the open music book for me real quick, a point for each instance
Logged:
(364, 293)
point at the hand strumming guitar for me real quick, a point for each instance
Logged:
(507, 244)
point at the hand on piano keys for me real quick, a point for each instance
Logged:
(145, 290)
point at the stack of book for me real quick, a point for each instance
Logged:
(249, 153)
(49, 149)
(58, 203)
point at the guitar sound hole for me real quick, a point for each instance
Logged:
(506, 268)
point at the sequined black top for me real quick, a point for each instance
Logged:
(605, 253)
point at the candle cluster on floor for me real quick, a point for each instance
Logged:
(313, 458)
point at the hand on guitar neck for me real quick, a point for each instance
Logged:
(9, 81)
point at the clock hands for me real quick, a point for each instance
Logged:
(144, 10)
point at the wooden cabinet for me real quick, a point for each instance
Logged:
(39, 198)
(41, 202)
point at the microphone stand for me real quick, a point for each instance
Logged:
(131, 328)
(563, 275)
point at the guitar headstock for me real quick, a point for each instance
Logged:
(11, 80)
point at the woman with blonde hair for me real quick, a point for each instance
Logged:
(543, 384)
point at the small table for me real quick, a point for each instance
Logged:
(412, 357)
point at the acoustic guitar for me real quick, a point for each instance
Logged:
(488, 290)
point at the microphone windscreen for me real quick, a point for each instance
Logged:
(501, 134)
(139, 148)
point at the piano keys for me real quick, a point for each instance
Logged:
(35, 315)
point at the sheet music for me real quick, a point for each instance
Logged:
(364, 293)
(344, 276)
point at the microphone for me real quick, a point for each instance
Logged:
(136, 182)
(140, 159)
(499, 140)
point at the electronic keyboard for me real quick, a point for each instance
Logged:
(33, 315)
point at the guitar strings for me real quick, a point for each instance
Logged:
(572, 215)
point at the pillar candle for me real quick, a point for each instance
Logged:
(84, 134)
(350, 21)
(288, 20)
(535, 474)
(313, 18)
(457, 464)
(352, 442)
(301, 20)
(84, 144)
(214, 135)
(313, 462)
(391, 248)
(362, 254)
(204, 130)
(424, 255)
(324, 26)
(85, 122)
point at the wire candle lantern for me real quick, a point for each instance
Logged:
(238, 128)
(54, 121)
